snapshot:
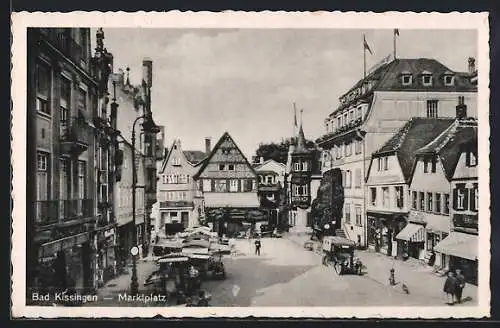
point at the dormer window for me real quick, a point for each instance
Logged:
(449, 80)
(406, 79)
(426, 79)
(470, 159)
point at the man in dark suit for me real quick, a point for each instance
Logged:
(257, 247)
(460, 281)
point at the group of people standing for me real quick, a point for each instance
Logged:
(453, 287)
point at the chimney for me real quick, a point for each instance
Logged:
(147, 72)
(461, 109)
(261, 160)
(472, 65)
(208, 145)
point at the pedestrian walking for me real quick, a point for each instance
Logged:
(460, 284)
(257, 247)
(450, 287)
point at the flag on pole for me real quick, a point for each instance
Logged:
(294, 115)
(367, 47)
(396, 31)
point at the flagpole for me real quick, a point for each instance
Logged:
(364, 56)
(394, 36)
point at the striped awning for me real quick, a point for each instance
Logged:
(412, 232)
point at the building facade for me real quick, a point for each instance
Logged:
(270, 187)
(179, 199)
(228, 184)
(374, 109)
(131, 103)
(387, 183)
(431, 184)
(462, 244)
(303, 177)
(70, 153)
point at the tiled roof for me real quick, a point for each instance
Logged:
(447, 145)
(194, 156)
(391, 80)
(416, 133)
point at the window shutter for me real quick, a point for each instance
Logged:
(239, 185)
(228, 185)
(212, 184)
(466, 198)
(455, 198)
(472, 199)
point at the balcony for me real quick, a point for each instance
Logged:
(62, 40)
(75, 137)
(59, 211)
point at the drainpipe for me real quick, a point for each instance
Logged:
(364, 221)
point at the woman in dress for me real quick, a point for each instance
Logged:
(449, 287)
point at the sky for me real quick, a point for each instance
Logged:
(245, 81)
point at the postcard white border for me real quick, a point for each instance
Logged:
(230, 19)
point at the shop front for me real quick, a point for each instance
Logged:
(106, 257)
(124, 243)
(383, 227)
(437, 228)
(66, 263)
(462, 249)
(411, 240)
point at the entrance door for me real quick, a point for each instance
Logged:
(185, 219)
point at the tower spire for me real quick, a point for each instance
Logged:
(128, 76)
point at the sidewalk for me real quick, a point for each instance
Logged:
(419, 278)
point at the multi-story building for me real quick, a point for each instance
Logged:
(229, 187)
(131, 104)
(430, 184)
(462, 245)
(179, 199)
(387, 183)
(271, 183)
(374, 109)
(303, 177)
(71, 138)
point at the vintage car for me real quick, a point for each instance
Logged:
(339, 252)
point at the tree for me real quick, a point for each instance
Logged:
(278, 151)
(328, 205)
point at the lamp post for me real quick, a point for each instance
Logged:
(148, 126)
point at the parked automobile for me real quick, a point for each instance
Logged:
(339, 251)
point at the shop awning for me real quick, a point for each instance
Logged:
(64, 243)
(459, 244)
(412, 232)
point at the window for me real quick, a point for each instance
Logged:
(358, 214)
(448, 80)
(406, 79)
(65, 104)
(446, 204)
(348, 149)
(470, 159)
(373, 196)
(220, 186)
(42, 181)
(432, 108)
(432, 162)
(351, 116)
(233, 185)
(430, 202)
(421, 199)
(437, 197)
(296, 166)
(357, 146)
(379, 164)
(359, 113)
(399, 196)
(427, 79)
(347, 213)
(222, 167)
(385, 196)
(345, 119)
(339, 122)
(82, 178)
(43, 81)
(460, 198)
(230, 167)
(357, 177)
(207, 185)
(82, 100)
(386, 163)
(176, 161)
(348, 179)
(414, 200)
(270, 179)
(304, 166)
(188, 178)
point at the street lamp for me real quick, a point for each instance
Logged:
(149, 126)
